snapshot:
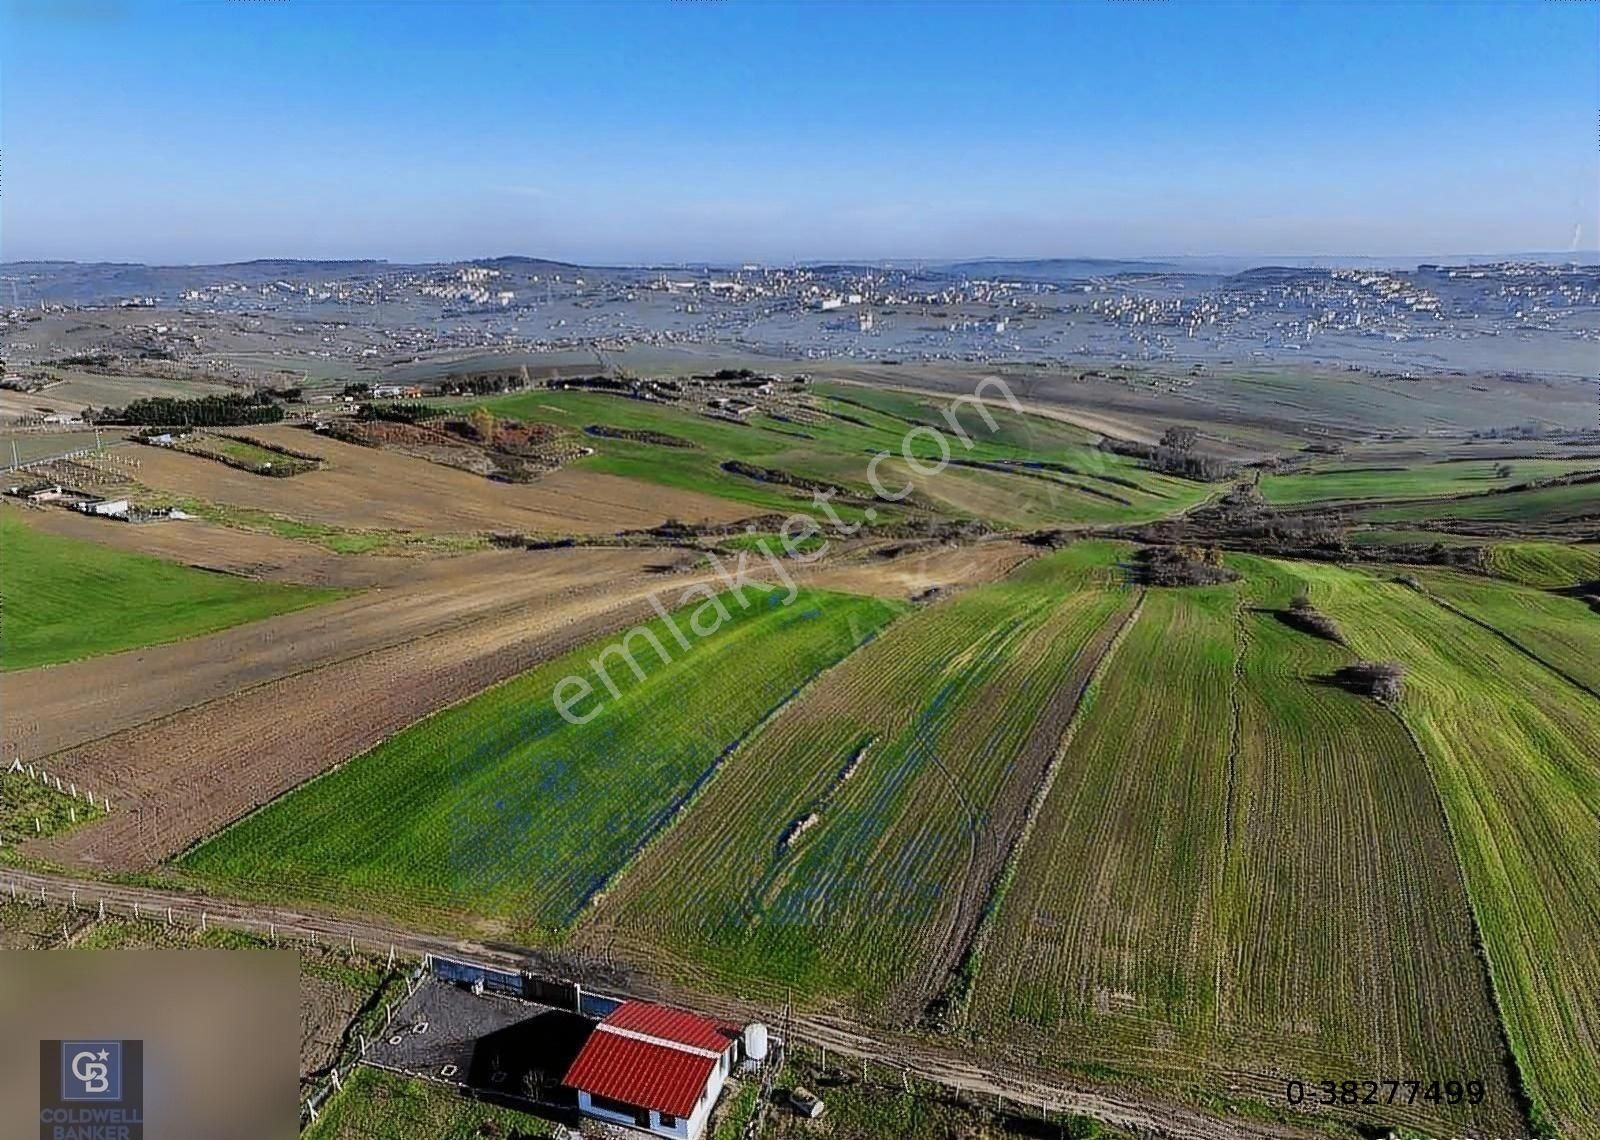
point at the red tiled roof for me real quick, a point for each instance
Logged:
(670, 1024)
(651, 1056)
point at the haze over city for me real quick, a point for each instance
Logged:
(729, 132)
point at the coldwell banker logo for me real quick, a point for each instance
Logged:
(91, 1090)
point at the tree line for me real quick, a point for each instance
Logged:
(201, 411)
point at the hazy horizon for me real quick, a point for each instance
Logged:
(1254, 260)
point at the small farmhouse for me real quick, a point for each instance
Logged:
(654, 1068)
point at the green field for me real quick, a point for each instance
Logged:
(1513, 753)
(242, 452)
(500, 810)
(1561, 631)
(64, 598)
(29, 808)
(1547, 506)
(1378, 482)
(847, 851)
(1203, 895)
(1547, 565)
(838, 445)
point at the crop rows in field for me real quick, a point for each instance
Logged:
(1546, 565)
(1562, 503)
(848, 851)
(1515, 754)
(500, 809)
(1241, 870)
(1560, 631)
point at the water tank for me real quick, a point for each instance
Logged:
(755, 1041)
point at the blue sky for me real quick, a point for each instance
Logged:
(639, 131)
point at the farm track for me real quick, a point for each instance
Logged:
(1148, 1115)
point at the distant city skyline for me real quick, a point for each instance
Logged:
(654, 133)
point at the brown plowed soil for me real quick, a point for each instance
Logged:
(65, 705)
(920, 568)
(175, 780)
(365, 488)
(184, 738)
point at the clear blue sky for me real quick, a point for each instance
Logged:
(636, 130)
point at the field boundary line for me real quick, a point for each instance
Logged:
(687, 801)
(1527, 1107)
(174, 857)
(1451, 607)
(966, 971)
(457, 626)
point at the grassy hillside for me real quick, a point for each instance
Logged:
(1565, 503)
(839, 440)
(63, 598)
(500, 809)
(1561, 631)
(1513, 752)
(847, 850)
(1547, 565)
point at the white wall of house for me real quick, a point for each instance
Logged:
(690, 1127)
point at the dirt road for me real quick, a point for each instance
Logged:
(956, 1067)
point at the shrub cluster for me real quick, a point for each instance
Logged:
(1380, 680)
(1302, 615)
(1182, 565)
(1173, 461)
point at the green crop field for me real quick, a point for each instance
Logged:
(837, 442)
(1346, 483)
(848, 850)
(1563, 503)
(1560, 631)
(63, 598)
(1547, 565)
(500, 810)
(1203, 895)
(1512, 750)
